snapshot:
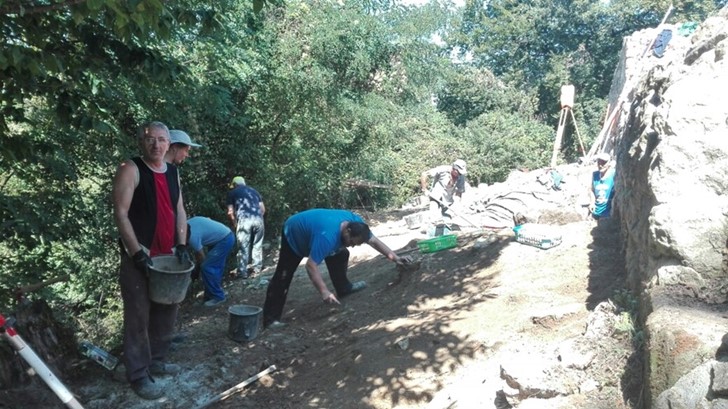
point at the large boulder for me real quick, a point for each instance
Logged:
(672, 173)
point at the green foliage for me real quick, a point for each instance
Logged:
(628, 320)
(77, 83)
(625, 301)
(469, 92)
(499, 142)
(624, 324)
(68, 61)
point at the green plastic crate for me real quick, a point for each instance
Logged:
(447, 241)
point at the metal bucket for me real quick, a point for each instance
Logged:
(244, 322)
(169, 279)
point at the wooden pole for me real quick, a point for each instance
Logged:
(605, 129)
(581, 144)
(559, 135)
(237, 388)
(33, 287)
(21, 291)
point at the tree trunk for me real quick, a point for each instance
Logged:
(51, 341)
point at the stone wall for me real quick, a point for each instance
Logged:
(670, 138)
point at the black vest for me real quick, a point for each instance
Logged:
(143, 208)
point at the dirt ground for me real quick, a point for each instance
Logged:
(431, 338)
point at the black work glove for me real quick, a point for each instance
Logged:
(182, 254)
(142, 261)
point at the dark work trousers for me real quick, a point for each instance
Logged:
(148, 326)
(288, 262)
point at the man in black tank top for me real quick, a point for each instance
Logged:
(149, 213)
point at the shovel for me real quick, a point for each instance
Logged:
(449, 209)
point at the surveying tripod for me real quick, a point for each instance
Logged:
(567, 101)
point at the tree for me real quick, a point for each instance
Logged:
(470, 92)
(538, 46)
(77, 79)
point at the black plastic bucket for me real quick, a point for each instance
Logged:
(244, 322)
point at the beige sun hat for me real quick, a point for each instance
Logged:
(460, 166)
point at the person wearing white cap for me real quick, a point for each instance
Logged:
(179, 147)
(245, 211)
(448, 183)
(601, 189)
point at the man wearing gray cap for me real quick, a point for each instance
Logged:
(179, 148)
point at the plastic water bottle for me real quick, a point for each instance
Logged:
(438, 230)
(99, 355)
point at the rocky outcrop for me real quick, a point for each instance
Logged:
(671, 143)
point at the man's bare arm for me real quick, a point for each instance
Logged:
(382, 248)
(125, 181)
(314, 274)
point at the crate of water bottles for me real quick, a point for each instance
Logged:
(543, 236)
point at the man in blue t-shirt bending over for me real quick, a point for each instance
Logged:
(322, 235)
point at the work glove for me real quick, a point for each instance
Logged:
(182, 254)
(142, 261)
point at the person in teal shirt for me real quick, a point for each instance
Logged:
(602, 187)
(321, 235)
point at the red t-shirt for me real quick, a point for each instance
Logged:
(164, 233)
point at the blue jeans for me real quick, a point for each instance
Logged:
(214, 266)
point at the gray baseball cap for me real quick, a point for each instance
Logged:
(177, 136)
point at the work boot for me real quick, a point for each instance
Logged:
(356, 286)
(159, 368)
(147, 389)
(214, 302)
(275, 325)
